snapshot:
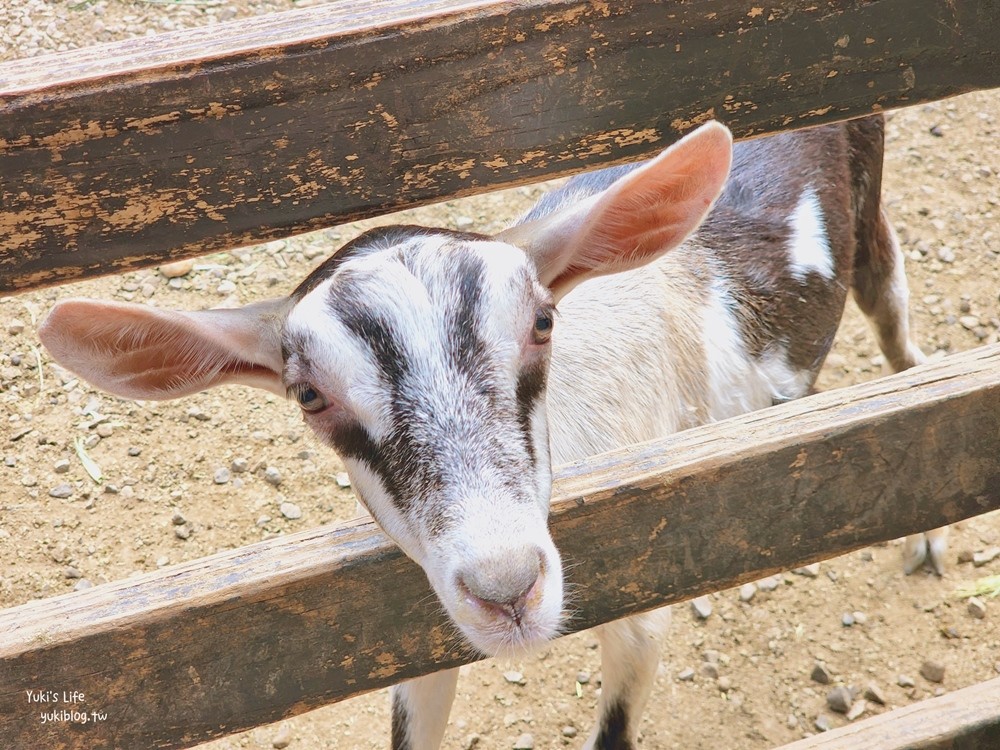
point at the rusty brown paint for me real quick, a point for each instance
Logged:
(652, 524)
(111, 158)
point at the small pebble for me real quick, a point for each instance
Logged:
(977, 607)
(821, 674)
(72, 573)
(569, 731)
(61, 491)
(905, 681)
(874, 693)
(177, 519)
(283, 738)
(133, 451)
(221, 476)
(747, 591)
(82, 585)
(932, 671)
(986, 556)
(239, 465)
(182, 532)
(105, 430)
(809, 571)
(524, 742)
(839, 699)
(291, 511)
(936, 131)
(710, 670)
(823, 723)
(343, 480)
(514, 678)
(583, 677)
(702, 607)
(769, 584)
(15, 327)
(859, 617)
(272, 476)
(725, 684)
(847, 619)
(225, 288)
(859, 707)
(686, 675)
(177, 268)
(61, 466)
(471, 741)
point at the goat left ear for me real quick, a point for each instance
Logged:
(143, 352)
(639, 218)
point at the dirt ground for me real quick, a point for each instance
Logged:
(161, 462)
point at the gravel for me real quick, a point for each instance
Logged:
(874, 693)
(932, 671)
(976, 607)
(291, 511)
(272, 476)
(821, 674)
(702, 607)
(839, 699)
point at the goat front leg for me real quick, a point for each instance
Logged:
(630, 656)
(420, 710)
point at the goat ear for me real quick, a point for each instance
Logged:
(638, 218)
(143, 352)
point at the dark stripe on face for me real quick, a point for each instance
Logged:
(614, 730)
(400, 722)
(408, 460)
(530, 387)
(463, 323)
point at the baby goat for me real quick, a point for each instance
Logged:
(431, 361)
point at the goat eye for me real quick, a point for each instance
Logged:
(309, 398)
(543, 325)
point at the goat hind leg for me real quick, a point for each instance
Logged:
(881, 292)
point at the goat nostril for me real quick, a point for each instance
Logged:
(507, 590)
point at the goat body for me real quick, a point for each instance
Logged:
(427, 359)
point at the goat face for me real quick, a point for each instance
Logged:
(421, 358)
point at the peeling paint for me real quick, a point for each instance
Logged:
(680, 124)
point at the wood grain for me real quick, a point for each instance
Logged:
(967, 719)
(134, 153)
(228, 642)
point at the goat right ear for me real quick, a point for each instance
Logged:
(143, 352)
(638, 218)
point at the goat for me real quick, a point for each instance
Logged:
(429, 360)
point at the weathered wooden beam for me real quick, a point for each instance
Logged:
(242, 638)
(137, 152)
(967, 719)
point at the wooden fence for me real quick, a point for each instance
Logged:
(138, 152)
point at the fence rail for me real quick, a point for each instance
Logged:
(133, 153)
(228, 642)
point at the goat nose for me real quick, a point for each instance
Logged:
(503, 583)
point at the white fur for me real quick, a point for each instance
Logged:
(809, 246)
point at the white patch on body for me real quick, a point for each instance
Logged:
(809, 246)
(786, 382)
(735, 384)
